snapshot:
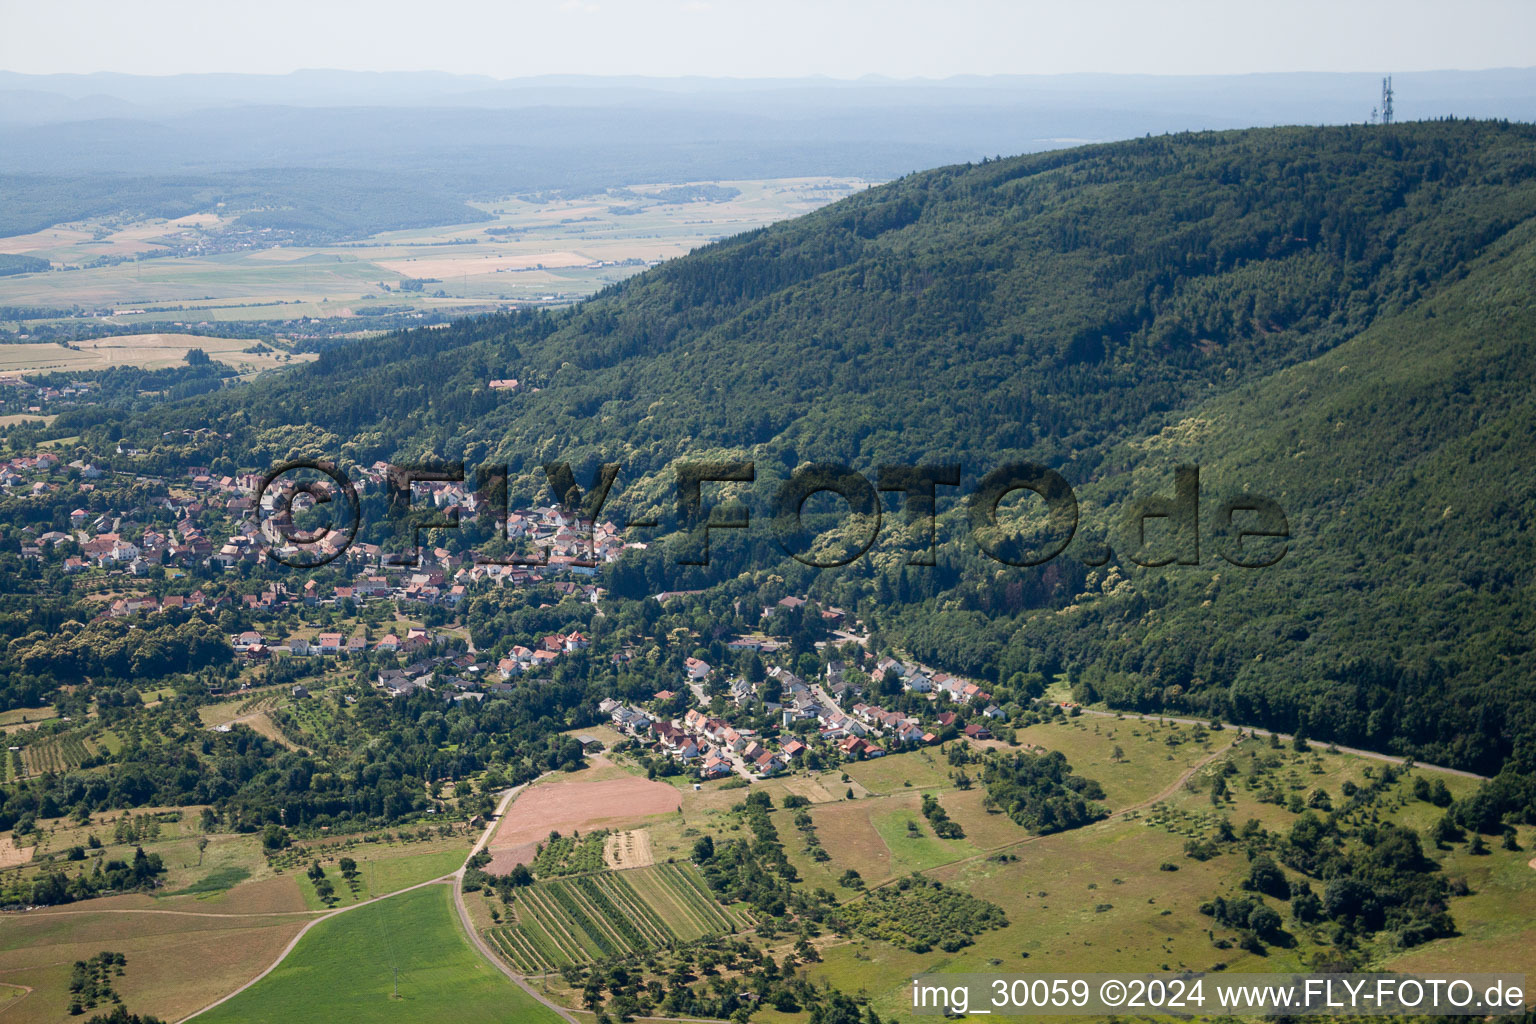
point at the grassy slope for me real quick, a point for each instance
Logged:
(1092, 899)
(344, 970)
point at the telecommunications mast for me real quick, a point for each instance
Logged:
(1386, 100)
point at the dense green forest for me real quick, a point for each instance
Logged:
(1338, 319)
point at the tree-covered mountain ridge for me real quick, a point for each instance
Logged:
(1338, 318)
(1041, 305)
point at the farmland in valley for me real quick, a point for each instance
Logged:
(150, 351)
(531, 249)
(602, 796)
(1079, 896)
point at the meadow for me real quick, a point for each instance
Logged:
(1094, 898)
(1090, 897)
(382, 867)
(1119, 894)
(349, 966)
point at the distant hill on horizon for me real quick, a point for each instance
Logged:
(78, 146)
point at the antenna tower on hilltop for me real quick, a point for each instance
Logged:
(1386, 100)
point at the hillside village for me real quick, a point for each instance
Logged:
(824, 722)
(194, 548)
(209, 523)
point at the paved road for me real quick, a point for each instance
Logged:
(469, 927)
(826, 698)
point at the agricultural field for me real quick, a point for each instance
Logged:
(250, 703)
(920, 769)
(348, 968)
(38, 948)
(603, 796)
(220, 904)
(26, 718)
(220, 891)
(592, 917)
(200, 869)
(56, 754)
(1088, 898)
(52, 746)
(149, 351)
(571, 855)
(529, 250)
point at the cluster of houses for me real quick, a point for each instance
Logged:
(114, 541)
(31, 473)
(18, 395)
(255, 647)
(833, 617)
(714, 748)
(525, 659)
(103, 542)
(921, 679)
(456, 677)
(556, 540)
(851, 734)
(566, 550)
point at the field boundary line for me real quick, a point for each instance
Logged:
(469, 927)
(325, 915)
(184, 913)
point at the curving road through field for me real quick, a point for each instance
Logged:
(456, 879)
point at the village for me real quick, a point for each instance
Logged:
(813, 722)
(203, 531)
(209, 525)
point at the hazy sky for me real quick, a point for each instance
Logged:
(839, 38)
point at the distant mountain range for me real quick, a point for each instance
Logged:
(157, 125)
(80, 146)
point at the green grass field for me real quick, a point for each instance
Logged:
(345, 970)
(382, 868)
(1094, 899)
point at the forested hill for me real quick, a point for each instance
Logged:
(1338, 314)
(1040, 305)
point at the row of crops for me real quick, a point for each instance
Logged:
(58, 754)
(609, 914)
(259, 702)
